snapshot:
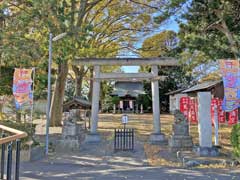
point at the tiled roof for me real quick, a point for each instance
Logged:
(202, 86)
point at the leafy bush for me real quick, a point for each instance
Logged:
(25, 127)
(115, 100)
(235, 139)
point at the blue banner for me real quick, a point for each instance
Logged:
(231, 81)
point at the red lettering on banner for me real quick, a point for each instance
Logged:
(233, 117)
(184, 105)
(193, 111)
(221, 113)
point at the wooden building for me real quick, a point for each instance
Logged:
(76, 103)
(128, 92)
(215, 87)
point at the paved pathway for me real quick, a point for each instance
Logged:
(97, 163)
(117, 168)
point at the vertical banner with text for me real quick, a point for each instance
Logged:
(193, 108)
(231, 82)
(22, 87)
(184, 105)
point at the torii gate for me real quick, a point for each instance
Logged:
(98, 76)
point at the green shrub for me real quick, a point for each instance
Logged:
(25, 127)
(235, 139)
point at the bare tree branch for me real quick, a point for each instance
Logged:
(144, 4)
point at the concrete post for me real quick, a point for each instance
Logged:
(156, 136)
(114, 108)
(94, 136)
(141, 109)
(204, 116)
(205, 125)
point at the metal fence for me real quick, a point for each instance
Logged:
(124, 139)
(9, 143)
(7, 161)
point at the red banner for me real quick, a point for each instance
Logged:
(233, 117)
(192, 116)
(189, 107)
(184, 105)
(221, 113)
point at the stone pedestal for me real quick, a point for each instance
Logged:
(180, 139)
(157, 138)
(92, 138)
(72, 133)
(207, 151)
(180, 143)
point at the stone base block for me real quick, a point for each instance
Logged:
(157, 138)
(92, 138)
(207, 151)
(180, 129)
(180, 143)
(37, 153)
(28, 155)
(67, 145)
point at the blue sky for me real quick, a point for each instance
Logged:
(171, 25)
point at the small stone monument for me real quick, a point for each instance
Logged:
(180, 139)
(72, 132)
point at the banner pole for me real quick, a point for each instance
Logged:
(48, 114)
(238, 76)
(31, 116)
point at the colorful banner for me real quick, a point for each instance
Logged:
(233, 117)
(22, 87)
(231, 82)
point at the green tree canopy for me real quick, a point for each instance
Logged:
(159, 45)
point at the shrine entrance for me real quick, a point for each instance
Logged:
(98, 76)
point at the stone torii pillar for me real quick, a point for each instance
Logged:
(156, 136)
(93, 136)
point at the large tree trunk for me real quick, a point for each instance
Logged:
(79, 74)
(58, 96)
(91, 85)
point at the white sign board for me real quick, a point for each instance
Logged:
(124, 119)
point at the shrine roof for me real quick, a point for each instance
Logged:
(203, 86)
